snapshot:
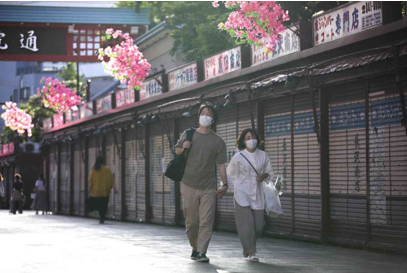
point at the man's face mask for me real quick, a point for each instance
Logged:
(205, 121)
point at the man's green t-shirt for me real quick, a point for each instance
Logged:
(206, 151)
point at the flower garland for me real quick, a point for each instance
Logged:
(57, 96)
(253, 21)
(17, 119)
(126, 62)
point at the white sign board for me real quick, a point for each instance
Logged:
(346, 21)
(223, 63)
(151, 87)
(183, 77)
(287, 44)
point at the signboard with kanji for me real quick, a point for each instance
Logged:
(223, 63)
(182, 77)
(346, 21)
(151, 87)
(104, 104)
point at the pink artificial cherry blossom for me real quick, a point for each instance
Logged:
(17, 119)
(126, 62)
(57, 96)
(254, 22)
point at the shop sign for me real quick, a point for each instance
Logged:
(288, 43)
(281, 125)
(124, 96)
(151, 87)
(72, 114)
(33, 41)
(5, 149)
(86, 110)
(104, 104)
(47, 124)
(58, 119)
(223, 63)
(346, 21)
(183, 77)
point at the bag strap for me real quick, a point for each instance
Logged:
(190, 134)
(249, 163)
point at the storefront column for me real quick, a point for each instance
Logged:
(71, 188)
(147, 172)
(123, 175)
(177, 187)
(86, 163)
(324, 159)
(58, 199)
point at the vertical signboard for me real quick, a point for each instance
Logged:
(58, 119)
(124, 96)
(104, 103)
(182, 77)
(223, 63)
(47, 124)
(348, 20)
(288, 43)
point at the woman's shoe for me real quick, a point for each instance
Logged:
(253, 259)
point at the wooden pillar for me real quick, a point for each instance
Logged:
(260, 121)
(177, 186)
(71, 183)
(123, 175)
(58, 186)
(324, 160)
(147, 172)
(86, 194)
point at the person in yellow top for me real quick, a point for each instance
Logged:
(101, 181)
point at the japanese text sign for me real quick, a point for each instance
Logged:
(288, 43)
(124, 96)
(58, 119)
(346, 21)
(151, 87)
(47, 124)
(223, 63)
(183, 77)
(104, 103)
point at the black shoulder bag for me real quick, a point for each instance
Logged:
(249, 163)
(176, 167)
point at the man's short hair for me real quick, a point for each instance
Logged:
(212, 110)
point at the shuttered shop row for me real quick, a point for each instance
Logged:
(113, 161)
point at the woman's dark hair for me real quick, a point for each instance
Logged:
(240, 141)
(41, 177)
(100, 160)
(212, 110)
(17, 177)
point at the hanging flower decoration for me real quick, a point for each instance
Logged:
(255, 22)
(57, 96)
(17, 119)
(126, 62)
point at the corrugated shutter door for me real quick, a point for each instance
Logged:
(113, 162)
(388, 165)
(277, 131)
(169, 185)
(63, 190)
(77, 181)
(347, 162)
(53, 177)
(156, 175)
(227, 129)
(307, 178)
(184, 124)
(141, 174)
(92, 152)
(131, 175)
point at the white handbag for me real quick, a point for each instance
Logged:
(272, 204)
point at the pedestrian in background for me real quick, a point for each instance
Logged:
(199, 192)
(246, 171)
(40, 200)
(101, 181)
(17, 198)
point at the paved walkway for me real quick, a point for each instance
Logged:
(51, 243)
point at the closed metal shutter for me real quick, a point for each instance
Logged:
(169, 185)
(387, 165)
(227, 128)
(114, 163)
(141, 175)
(79, 179)
(131, 175)
(65, 179)
(92, 153)
(347, 162)
(53, 177)
(184, 124)
(157, 190)
(307, 177)
(277, 132)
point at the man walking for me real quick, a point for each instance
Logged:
(199, 193)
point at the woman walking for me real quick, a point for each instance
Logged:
(40, 200)
(17, 197)
(100, 181)
(247, 170)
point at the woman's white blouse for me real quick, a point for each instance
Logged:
(248, 192)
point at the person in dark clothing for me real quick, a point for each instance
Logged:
(17, 198)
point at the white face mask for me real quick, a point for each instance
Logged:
(205, 121)
(251, 144)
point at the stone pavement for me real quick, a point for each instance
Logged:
(53, 243)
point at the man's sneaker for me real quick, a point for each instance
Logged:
(202, 258)
(194, 255)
